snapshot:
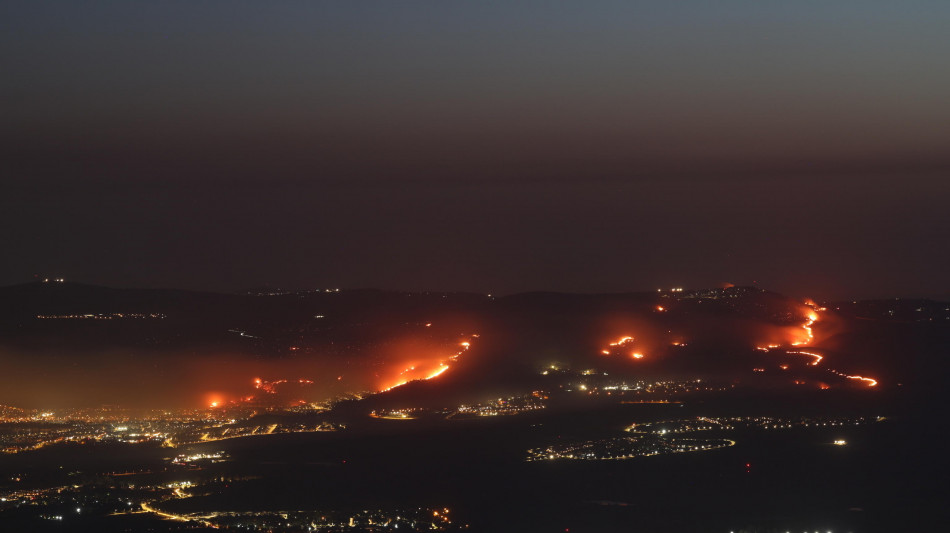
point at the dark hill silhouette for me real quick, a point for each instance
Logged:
(705, 332)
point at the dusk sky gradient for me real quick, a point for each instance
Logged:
(483, 146)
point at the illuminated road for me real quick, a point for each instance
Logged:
(179, 494)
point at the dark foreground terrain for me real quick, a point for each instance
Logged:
(713, 410)
(885, 478)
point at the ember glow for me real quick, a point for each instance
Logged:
(802, 335)
(427, 369)
(817, 357)
(811, 317)
(622, 342)
(270, 387)
(214, 400)
(869, 381)
(438, 371)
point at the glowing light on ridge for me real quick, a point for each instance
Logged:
(442, 367)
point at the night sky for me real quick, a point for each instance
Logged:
(481, 146)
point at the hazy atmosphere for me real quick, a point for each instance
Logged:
(489, 147)
(485, 267)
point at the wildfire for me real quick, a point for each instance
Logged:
(870, 382)
(438, 372)
(621, 342)
(817, 357)
(412, 373)
(809, 334)
(811, 316)
(270, 387)
(768, 347)
(400, 384)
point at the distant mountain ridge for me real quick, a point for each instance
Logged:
(685, 332)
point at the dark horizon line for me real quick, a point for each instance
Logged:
(248, 290)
